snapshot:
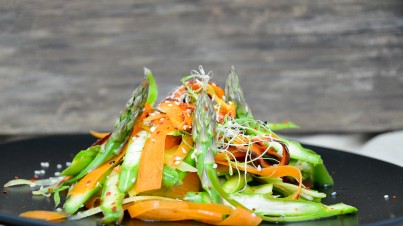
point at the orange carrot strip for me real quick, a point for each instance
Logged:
(172, 141)
(177, 210)
(273, 171)
(44, 215)
(98, 135)
(182, 210)
(138, 124)
(222, 156)
(241, 217)
(217, 90)
(152, 158)
(191, 183)
(139, 208)
(154, 117)
(225, 108)
(178, 113)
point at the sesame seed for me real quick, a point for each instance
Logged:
(152, 129)
(259, 168)
(153, 140)
(170, 105)
(386, 197)
(215, 166)
(178, 158)
(59, 166)
(177, 162)
(183, 150)
(44, 164)
(57, 174)
(334, 193)
(68, 163)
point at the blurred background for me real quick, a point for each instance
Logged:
(333, 67)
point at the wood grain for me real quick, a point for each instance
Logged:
(329, 66)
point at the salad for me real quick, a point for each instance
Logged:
(198, 155)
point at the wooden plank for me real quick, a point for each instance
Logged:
(330, 66)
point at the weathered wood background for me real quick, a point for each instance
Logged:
(329, 66)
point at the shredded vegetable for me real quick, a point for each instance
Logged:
(198, 155)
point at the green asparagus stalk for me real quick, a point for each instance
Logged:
(258, 189)
(131, 161)
(123, 127)
(112, 199)
(198, 197)
(203, 133)
(75, 202)
(235, 183)
(153, 89)
(285, 210)
(321, 176)
(234, 94)
(287, 189)
(284, 125)
(170, 177)
(81, 160)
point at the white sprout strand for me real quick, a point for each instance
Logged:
(232, 134)
(230, 130)
(201, 74)
(263, 153)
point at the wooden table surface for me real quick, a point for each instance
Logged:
(329, 66)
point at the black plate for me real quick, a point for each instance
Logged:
(359, 181)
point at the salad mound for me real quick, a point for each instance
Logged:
(199, 155)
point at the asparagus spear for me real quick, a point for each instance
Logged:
(203, 133)
(234, 93)
(123, 127)
(81, 160)
(131, 161)
(112, 199)
(76, 201)
(285, 210)
(153, 89)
